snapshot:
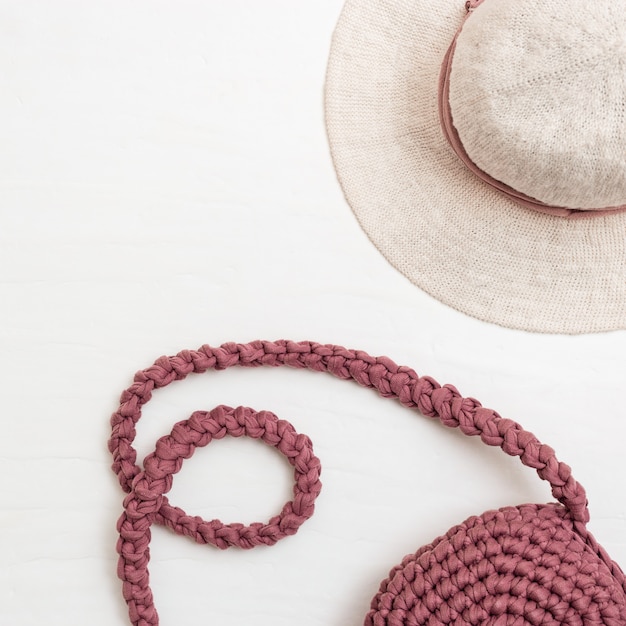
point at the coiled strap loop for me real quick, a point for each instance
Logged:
(146, 502)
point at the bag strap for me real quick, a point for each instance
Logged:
(444, 403)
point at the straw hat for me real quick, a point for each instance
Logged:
(482, 147)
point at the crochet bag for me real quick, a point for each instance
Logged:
(533, 564)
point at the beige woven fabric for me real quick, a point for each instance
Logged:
(446, 230)
(537, 97)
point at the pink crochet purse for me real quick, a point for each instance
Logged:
(534, 564)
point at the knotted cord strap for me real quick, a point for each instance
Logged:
(390, 380)
(146, 502)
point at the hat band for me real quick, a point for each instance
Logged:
(452, 136)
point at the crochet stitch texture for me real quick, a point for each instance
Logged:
(531, 564)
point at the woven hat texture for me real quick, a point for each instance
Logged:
(530, 565)
(537, 94)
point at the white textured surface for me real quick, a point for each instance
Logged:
(165, 182)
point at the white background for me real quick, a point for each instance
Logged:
(165, 182)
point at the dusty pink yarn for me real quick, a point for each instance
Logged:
(531, 564)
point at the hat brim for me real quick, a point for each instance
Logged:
(447, 231)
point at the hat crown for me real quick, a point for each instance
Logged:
(538, 98)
